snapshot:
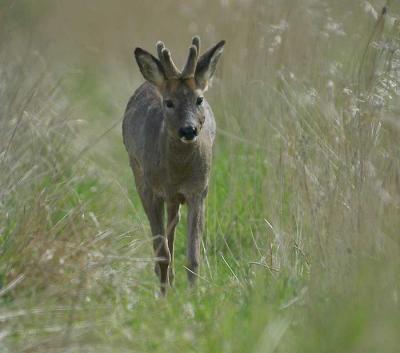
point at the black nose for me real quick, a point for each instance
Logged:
(188, 132)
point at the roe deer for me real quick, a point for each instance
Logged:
(168, 132)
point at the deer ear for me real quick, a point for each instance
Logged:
(150, 67)
(207, 64)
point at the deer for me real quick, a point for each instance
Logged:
(169, 131)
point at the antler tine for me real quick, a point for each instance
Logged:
(191, 63)
(160, 46)
(170, 69)
(196, 43)
(168, 65)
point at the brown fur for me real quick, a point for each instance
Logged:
(168, 171)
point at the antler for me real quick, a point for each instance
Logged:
(191, 63)
(168, 65)
(166, 61)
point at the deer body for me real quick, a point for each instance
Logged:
(168, 132)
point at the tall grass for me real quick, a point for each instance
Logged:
(301, 247)
(53, 237)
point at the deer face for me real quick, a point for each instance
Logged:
(182, 92)
(183, 109)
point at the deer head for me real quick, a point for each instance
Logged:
(182, 92)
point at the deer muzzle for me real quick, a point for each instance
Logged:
(188, 134)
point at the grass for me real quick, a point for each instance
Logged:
(301, 247)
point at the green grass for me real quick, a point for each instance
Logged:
(301, 247)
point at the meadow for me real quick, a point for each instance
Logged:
(301, 248)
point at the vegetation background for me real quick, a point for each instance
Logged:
(301, 250)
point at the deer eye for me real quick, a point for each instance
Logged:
(169, 103)
(199, 100)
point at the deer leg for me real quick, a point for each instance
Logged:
(154, 207)
(173, 220)
(195, 225)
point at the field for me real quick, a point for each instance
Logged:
(301, 249)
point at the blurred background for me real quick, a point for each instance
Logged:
(301, 247)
